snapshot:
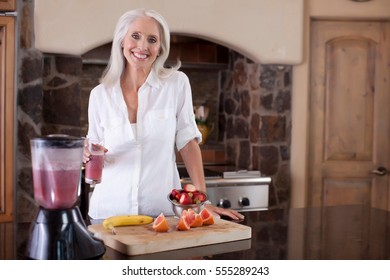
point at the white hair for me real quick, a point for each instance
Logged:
(117, 62)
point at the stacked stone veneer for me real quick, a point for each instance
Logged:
(254, 123)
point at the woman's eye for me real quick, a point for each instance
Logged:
(135, 36)
(152, 40)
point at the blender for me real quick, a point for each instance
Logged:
(59, 231)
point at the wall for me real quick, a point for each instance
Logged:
(263, 30)
(255, 121)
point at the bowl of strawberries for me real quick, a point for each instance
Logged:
(186, 198)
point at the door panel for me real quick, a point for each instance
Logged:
(349, 131)
(342, 87)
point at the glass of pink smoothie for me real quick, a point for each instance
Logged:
(94, 167)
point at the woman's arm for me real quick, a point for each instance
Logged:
(192, 158)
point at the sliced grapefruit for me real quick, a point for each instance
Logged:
(190, 213)
(195, 220)
(184, 222)
(207, 217)
(198, 222)
(160, 224)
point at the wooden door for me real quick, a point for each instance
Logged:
(349, 133)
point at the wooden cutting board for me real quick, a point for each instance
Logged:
(142, 239)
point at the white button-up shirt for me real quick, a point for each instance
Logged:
(140, 168)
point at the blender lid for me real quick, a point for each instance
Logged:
(58, 140)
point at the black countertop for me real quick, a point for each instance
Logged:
(345, 232)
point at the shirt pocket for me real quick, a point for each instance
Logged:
(117, 131)
(160, 123)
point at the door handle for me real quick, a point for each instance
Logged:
(380, 171)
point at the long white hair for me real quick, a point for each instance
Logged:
(117, 62)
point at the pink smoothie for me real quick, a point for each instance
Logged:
(56, 189)
(93, 169)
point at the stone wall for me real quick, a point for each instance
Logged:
(48, 102)
(61, 94)
(255, 121)
(29, 121)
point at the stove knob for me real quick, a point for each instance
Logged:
(244, 201)
(224, 203)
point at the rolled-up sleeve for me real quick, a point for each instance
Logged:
(186, 128)
(95, 130)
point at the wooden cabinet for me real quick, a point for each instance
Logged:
(7, 139)
(7, 5)
(7, 104)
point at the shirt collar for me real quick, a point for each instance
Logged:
(153, 80)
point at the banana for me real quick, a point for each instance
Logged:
(126, 220)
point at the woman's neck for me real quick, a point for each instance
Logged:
(133, 78)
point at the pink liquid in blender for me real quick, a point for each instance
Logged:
(56, 189)
(93, 169)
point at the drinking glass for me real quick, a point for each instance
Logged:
(94, 167)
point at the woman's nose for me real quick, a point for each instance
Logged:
(142, 44)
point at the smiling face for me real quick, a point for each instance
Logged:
(141, 44)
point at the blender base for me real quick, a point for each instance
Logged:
(62, 235)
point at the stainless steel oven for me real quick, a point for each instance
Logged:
(240, 190)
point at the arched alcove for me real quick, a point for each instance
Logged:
(203, 61)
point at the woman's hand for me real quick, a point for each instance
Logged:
(87, 153)
(217, 211)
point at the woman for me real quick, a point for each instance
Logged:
(139, 112)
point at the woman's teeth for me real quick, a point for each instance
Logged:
(140, 56)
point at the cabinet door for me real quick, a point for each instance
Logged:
(7, 62)
(349, 133)
(7, 104)
(7, 5)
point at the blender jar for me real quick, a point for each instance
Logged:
(56, 166)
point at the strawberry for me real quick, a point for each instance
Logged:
(175, 194)
(185, 199)
(199, 197)
(189, 188)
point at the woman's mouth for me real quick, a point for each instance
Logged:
(140, 55)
